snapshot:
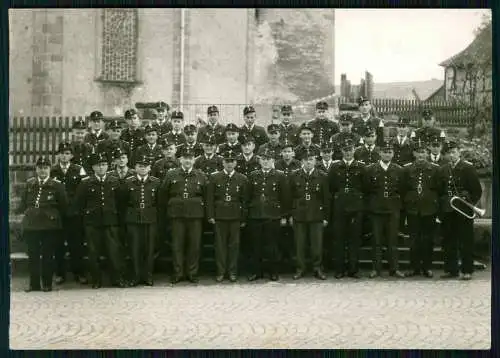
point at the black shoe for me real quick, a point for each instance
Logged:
(353, 275)
(96, 285)
(412, 273)
(298, 275)
(47, 289)
(339, 275)
(32, 289)
(255, 277)
(397, 274)
(133, 283)
(219, 278)
(59, 280)
(193, 279)
(176, 279)
(233, 277)
(466, 277)
(120, 284)
(82, 280)
(428, 273)
(149, 282)
(449, 275)
(319, 275)
(274, 277)
(374, 274)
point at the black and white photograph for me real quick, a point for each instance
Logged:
(250, 178)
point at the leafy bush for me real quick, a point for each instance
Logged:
(478, 151)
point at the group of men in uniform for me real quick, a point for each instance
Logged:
(321, 184)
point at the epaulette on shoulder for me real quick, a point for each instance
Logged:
(154, 178)
(130, 178)
(86, 178)
(434, 164)
(56, 180)
(280, 171)
(213, 173)
(407, 164)
(467, 162)
(336, 161)
(31, 180)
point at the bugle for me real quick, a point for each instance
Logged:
(475, 210)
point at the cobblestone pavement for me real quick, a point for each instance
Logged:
(381, 313)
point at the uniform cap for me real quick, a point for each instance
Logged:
(79, 124)
(387, 145)
(305, 126)
(346, 118)
(43, 162)
(287, 144)
(231, 127)
(326, 147)
(348, 106)
(129, 113)
(273, 128)
(177, 114)
(248, 110)
(435, 141)
(418, 146)
(64, 146)
(212, 109)
(362, 100)
(347, 143)
(118, 152)
(164, 142)
(427, 113)
(266, 153)
(162, 106)
(307, 153)
(369, 130)
(229, 155)
(190, 129)
(144, 159)
(114, 124)
(451, 144)
(97, 158)
(96, 116)
(209, 139)
(286, 108)
(322, 105)
(247, 139)
(185, 152)
(403, 121)
(150, 128)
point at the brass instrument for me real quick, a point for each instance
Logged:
(476, 211)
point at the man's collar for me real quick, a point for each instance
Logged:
(41, 182)
(66, 166)
(456, 162)
(308, 173)
(250, 127)
(176, 132)
(100, 179)
(348, 162)
(142, 179)
(369, 146)
(267, 171)
(152, 146)
(188, 170)
(248, 157)
(209, 156)
(230, 174)
(384, 165)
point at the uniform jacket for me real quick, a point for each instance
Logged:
(245, 166)
(81, 154)
(177, 138)
(70, 180)
(384, 188)
(368, 157)
(236, 148)
(161, 167)
(339, 138)
(426, 134)
(301, 147)
(121, 176)
(109, 146)
(275, 148)
(289, 133)
(208, 165)
(359, 127)
(162, 128)
(421, 188)
(227, 197)
(134, 137)
(183, 195)
(257, 132)
(403, 152)
(43, 205)
(140, 200)
(155, 152)
(440, 160)
(287, 168)
(309, 195)
(346, 184)
(93, 138)
(218, 131)
(324, 167)
(323, 130)
(196, 147)
(461, 180)
(98, 201)
(268, 195)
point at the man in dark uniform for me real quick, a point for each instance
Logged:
(213, 127)
(346, 132)
(368, 153)
(169, 160)
(183, 195)
(96, 133)
(267, 211)
(134, 133)
(310, 212)
(43, 203)
(384, 188)
(287, 163)
(70, 175)
(227, 198)
(428, 131)
(250, 128)
(403, 153)
(209, 162)
(247, 161)
(151, 148)
(436, 151)
(421, 190)
(324, 164)
(113, 142)
(162, 123)
(176, 135)
(274, 144)
(98, 200)
(346, 181)
(80, 149)
(232, 143)
(140, 198)
(366, 119)
(458, 178)
(325, 158)
(323, 128)
(306, 136)
(191, 140)
(121, 169)
(288, 130)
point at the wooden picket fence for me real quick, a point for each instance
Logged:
(30, 137)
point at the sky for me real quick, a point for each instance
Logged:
(397, 45)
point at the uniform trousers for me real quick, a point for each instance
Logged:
(105, 238)
(264, 244)
(385, 232)
(348, 227)
(286, 245)
(421, 229)
(142, 246)
(72, 234)
(329, 244)
(186, 232)
(312, 231)
(41, 242)
(458, 243)
(227, 246)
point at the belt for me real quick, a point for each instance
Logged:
(419, 189)
(386, 194)
(141, 205)
(227, 198)
(185, 195)
(308, 197)
(37, 205)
